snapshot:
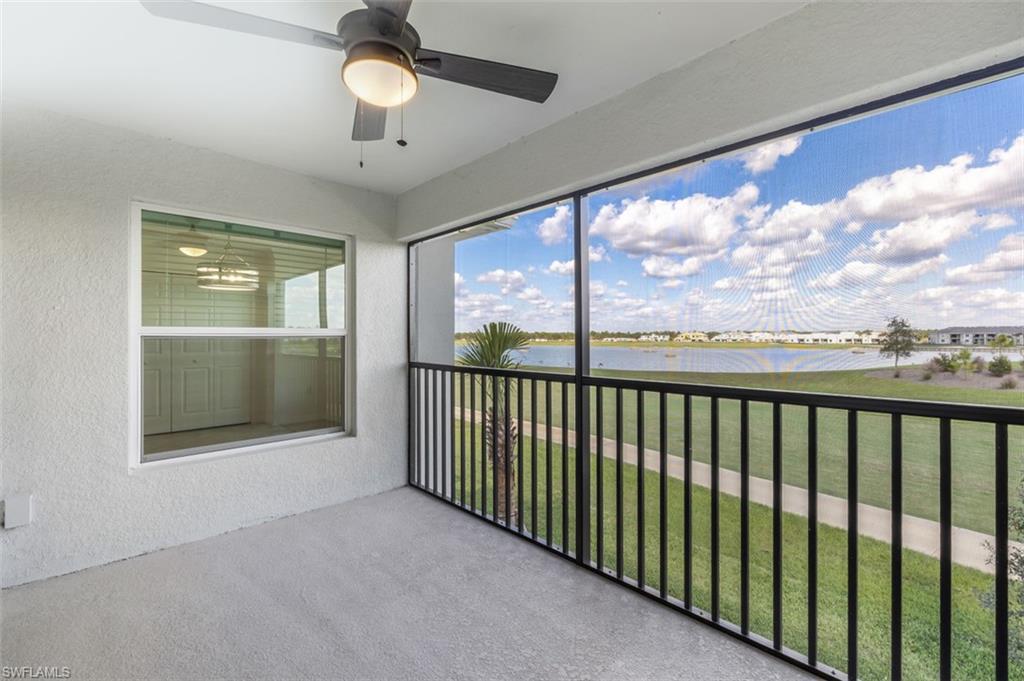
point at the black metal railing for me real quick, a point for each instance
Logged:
(517, 449)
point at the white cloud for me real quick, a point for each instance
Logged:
(598, 254)
(694, 225)
(561, 267)
(911, 273)
(853, 273)
(663, 267)
(856, 273)
(460, 283)
(906, 195)
(509, 281)
(764, 157)
(1005, 260)
(555, 229)
(671, 283)
(531, 294)
(922, 237)
(934, 294)
(952, 187)
(998, 221)
(998, 299)
(621, 283)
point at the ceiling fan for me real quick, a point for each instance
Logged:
(383, 59)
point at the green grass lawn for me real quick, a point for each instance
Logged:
(973, 626)
(973, 444)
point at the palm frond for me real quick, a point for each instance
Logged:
(493, 346)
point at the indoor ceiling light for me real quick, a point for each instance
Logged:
(192, 244)
(379, 74)
(229, 272)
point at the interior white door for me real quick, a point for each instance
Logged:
(156, 383)
(211, 383)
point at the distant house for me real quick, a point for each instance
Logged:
(691, 337)
(975, 335)
(654, 337)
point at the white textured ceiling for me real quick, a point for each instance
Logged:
(284, 104)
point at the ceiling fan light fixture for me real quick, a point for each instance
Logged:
(193, 244)
(379, 74)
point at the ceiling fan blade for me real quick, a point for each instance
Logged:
(218, 17)
(506, 79)
(389, 15)
(368, 125)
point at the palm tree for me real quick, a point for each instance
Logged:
(494, 346)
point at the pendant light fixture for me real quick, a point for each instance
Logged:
(193, 244)
(229, 272)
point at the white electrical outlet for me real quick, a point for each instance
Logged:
(17, 510)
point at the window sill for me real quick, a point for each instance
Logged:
(237, 451)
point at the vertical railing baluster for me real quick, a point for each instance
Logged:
(565, 467)
(417, 380)
(599, 431)
(744, 517)
(688, 501)
(462, 439)
(519, 454)
(533, 457)
(896, 548)
(507, 453)
(1002, 551)
(619, 550)
(548, 478)
(451, 436)
(851, 543)
(715, 575)
(641, 463)
(945, 550)
(472, 442)
(483, 445)
(812, 536)
(777, 525)
(411, 472)
(663, 494)
(435, 435)
(442, 486)
(495, 415)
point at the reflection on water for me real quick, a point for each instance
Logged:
(724, 360)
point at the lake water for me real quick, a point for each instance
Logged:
(771, 359)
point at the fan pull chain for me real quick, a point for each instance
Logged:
(401, 132)
(360, 149)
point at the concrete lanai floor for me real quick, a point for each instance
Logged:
(395, 586)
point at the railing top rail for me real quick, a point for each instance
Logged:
(886, 405)
(490, 371)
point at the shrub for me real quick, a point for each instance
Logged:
(1009, 383)
(927, 375)
(896, 373)
(1000, 365)
(978, 364)
(945, 362)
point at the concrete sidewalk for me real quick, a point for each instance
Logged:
(919, 534)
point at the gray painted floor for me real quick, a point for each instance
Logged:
(396, 586)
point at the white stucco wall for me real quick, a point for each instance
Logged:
(821, 59)
(64, 347)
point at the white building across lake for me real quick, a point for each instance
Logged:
(802, 338)
(975, 335)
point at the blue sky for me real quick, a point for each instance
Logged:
(917, 211)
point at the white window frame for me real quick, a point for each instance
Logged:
(138, 333)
